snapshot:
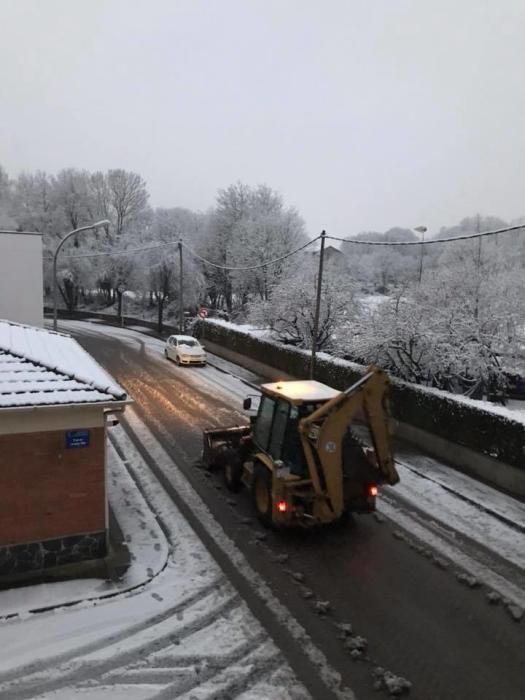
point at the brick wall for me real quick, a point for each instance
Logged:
(49, 491)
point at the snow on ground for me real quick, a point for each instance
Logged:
(466, 517)
(186, 634)
(372, 301)
(147, 546)
(517, 407)
(174, 475)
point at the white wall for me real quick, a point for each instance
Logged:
(21, 283)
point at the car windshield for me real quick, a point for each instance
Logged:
(189, 342)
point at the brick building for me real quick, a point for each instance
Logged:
(54, 403)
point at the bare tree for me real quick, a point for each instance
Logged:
(128, 196)
(71, 193)
(100, 198)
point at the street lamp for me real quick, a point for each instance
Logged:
(422, 230)
(105, 222)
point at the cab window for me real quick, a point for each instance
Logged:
(280, 423)
(263, 424)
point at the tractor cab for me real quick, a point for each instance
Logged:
(275, 427)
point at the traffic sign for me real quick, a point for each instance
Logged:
(203, 313)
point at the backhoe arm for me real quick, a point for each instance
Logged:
(323, 431)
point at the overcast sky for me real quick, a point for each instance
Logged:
(363, 114)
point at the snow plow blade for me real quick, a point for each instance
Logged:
(218, 442)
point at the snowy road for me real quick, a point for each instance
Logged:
(186, 634)
(414, 582)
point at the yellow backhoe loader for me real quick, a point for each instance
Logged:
(301, 455)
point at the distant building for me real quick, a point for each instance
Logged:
(333, 257)
(21, 278)
(54, 403)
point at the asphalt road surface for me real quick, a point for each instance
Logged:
(419, 622)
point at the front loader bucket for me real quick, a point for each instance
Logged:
(216, 442)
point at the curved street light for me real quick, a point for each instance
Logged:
(104, 222)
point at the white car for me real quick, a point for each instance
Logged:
(185, 350)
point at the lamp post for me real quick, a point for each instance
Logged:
(422, 230)
(105, 222)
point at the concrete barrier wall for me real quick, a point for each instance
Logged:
(486, 444)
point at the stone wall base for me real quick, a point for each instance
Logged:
(20, 561)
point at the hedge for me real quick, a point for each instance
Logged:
(452, 418)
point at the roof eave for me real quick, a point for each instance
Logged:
(116, 405)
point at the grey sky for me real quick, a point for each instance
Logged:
(363, 114)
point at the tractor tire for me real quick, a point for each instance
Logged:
(262, 494)
(232, 470)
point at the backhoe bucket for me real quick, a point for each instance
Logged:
(217, 442)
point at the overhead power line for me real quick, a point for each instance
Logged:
(249, 267)
(266, 263)
(431, 241)
(142, 249)
(126, 251)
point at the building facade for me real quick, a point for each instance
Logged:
(21, 278)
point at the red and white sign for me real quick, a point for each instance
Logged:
(203, 313)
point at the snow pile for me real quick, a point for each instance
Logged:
(394, 685)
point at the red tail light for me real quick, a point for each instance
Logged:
(282, 506)
(372, 491)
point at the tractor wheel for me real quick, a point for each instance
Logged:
(232, 470)
(262, 494)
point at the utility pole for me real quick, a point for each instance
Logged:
(181, 298)
(422, 230)
(317, 305)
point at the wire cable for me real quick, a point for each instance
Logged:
(431, 241)
(250, 267)
(132, 251)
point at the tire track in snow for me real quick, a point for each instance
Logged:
(179, 488)
(421, 529)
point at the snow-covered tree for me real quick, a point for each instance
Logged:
(459, 329)
(4, 185)
(249, 225)
(290, 309)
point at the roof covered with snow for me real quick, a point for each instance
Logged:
(303, 390)
(39, 367)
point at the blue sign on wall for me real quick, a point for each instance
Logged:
(77, 438)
